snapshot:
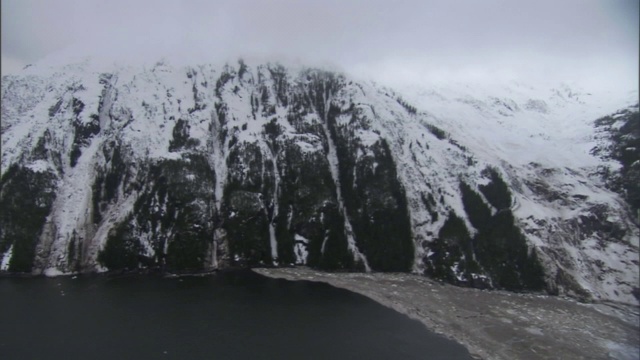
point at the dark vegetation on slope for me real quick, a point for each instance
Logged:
(43, 151)
(122, 248)
(478, 212)
(306, 193)
(247, 205)
(308, 206)
(245, 202)
(498, 250)
(500, 247)
(436, 131)
(26, 199)
(375, 200)
(172, 210)
(623, 145)
(496, 191)
(453, 247)
(410, 108)
(181, 139)
(502, 251)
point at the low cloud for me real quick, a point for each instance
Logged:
(587, 41)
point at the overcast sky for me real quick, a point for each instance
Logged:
(588, 41)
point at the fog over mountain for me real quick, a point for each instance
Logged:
(592, 43)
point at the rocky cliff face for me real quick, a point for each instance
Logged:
(192, 168)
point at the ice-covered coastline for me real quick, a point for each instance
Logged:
(495, 324)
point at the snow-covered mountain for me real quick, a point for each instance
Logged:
(197, 167)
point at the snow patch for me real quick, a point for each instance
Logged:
(300, 249)
(53, 272)
(6, 258)
(39, 166)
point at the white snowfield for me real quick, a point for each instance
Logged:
(539, 136)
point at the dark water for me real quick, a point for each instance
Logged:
(231, 315)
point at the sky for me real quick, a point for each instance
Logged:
(589, 42)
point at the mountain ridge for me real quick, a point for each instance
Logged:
(202, 167)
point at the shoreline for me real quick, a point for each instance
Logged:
(494, 324)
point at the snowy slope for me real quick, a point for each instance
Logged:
(542, 138)
(192, 167)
